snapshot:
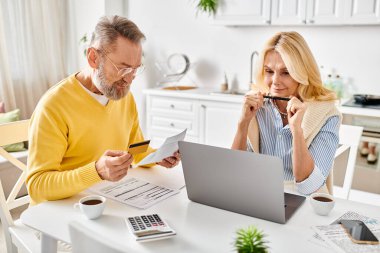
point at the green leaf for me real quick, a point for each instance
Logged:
(250, 240)
(208, 6)
(84, 41)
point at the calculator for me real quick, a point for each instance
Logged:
(149, 227)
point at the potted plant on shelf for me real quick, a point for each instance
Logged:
(84, 41)
(208, 6)
(250, 240)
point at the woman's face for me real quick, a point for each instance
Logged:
(277, 77)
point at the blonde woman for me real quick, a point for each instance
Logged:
(303, 131)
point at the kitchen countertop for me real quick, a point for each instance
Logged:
(212, 95)
(360, 111)
(198, 93)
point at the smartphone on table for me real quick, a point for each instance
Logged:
(359, 232)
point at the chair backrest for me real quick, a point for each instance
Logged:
(11, 133)
(345, 159)
(84, 240)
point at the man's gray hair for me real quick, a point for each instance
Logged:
(109, 28)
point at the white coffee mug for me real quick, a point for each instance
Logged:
(91, 206)
(322, 203)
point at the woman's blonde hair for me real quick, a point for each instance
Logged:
(300, 63)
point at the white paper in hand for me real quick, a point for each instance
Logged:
(167, 149)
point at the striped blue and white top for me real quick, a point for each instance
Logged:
(276, 140)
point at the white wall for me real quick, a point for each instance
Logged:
(84, 14)
(172, 26)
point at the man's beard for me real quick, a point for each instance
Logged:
(111, 91)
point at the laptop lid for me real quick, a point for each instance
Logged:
(234, 180)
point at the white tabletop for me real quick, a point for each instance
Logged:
(199, 228)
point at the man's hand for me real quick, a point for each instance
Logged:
(113, 165)
(171, 161)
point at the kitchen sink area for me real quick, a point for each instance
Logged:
(229, 92)
(179, 88)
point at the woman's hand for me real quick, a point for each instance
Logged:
(171, 161)
(253, 101)
(296, 110)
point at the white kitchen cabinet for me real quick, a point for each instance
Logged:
(243, 12)
(167, 116)
(310, 12)
(209, 119)
(363, 11)
(325, 12)
(288, 12)
(297, 12)
(218, 123)
(340, 12)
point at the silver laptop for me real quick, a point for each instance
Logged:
(237, 181)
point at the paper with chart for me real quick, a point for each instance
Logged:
(167, 149)
(134, 192)
(335, 236)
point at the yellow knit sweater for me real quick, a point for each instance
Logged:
(69, 131)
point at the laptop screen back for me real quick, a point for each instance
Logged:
(237, 181)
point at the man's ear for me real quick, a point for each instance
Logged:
(93, 57)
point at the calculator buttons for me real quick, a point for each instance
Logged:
(146, 227)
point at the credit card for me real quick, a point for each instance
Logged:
(139, 147)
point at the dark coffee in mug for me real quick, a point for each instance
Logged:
(322, 199)
(92, 202)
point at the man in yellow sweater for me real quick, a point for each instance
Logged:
(82, 127)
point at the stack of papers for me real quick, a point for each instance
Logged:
(167, 149)
(143, 194)
(335, 237)
(134, 192)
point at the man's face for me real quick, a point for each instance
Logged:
(107, 78)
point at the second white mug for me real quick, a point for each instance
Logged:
(322, 203)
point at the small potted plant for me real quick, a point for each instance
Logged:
(208, 6)
(250, 240)
(84, 41)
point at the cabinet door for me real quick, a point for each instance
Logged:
(243, 12)
(325, 12)
(362, 11)
(167, 115)
(288, 12)
(218, 123)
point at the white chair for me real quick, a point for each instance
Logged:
(345, 159)
(84, 240)
(17, 236)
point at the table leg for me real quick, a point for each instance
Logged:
(48, 244)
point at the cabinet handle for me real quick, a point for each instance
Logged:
(172, 106)
(267, 22)
(310, 21)
(172, 124)
(203, 106)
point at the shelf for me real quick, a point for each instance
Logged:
(361, 163)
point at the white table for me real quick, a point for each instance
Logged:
(199, 228)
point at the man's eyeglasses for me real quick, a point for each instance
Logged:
(124, 71)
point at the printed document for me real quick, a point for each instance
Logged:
(336, 237)
(167, 149)
(134, 192)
